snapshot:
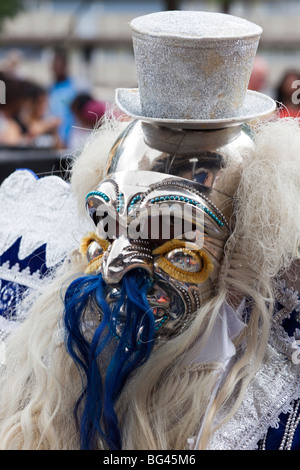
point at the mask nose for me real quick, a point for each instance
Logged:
(124, 255)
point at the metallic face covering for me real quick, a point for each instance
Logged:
(157, 211)
(163, 213)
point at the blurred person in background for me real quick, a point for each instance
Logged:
(87, 113)
(259, 79)
(288, 95)
(24, 119)
(12, 62)
(41, 128)
(61, 94)
(12, 133)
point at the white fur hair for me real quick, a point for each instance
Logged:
(165, 401)
(88, 169)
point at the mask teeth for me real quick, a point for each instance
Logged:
(140, 249)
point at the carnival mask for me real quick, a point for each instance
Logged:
(161, 226)
(165, 226)
(153, 258)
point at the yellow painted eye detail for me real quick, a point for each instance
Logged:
(93, 247)
(182, 263)
(171, 244)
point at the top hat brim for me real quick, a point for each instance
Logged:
(256, 106)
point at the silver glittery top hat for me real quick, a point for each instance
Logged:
(193, 70)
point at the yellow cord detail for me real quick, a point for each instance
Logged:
(179, 274)
(85, 242)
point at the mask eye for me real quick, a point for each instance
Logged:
(93, 248)
(181, 262)
(185, 260)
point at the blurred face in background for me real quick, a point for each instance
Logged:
(59, 67)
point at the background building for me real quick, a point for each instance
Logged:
(97, 38)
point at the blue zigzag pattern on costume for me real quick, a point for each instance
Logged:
(35, 262)
(94, 410)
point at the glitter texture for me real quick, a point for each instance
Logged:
(255, 105)
(193, 65)
(194, 24)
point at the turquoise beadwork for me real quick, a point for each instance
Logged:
(158, 199)
(162, 322)
(189, 201)
(100, 194)
(158, 326)
(120, 202)
(134, 201)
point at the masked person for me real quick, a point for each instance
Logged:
(174, 323)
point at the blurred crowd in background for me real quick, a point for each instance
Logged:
(62, 116)
(58, 117)
(287, 91)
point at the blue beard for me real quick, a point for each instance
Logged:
(111, 356)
